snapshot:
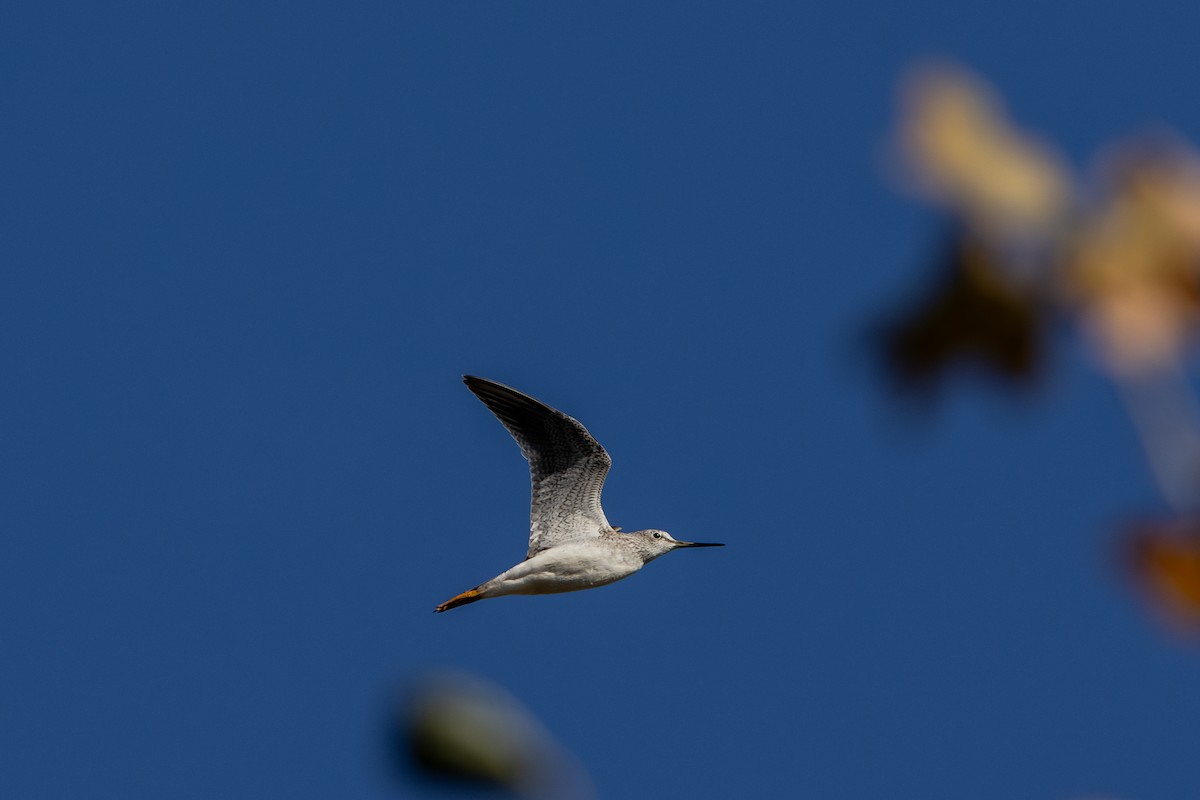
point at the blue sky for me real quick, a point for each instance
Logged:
(248, 253)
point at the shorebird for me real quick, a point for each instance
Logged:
(571, 544)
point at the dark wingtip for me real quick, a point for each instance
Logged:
(474, 381)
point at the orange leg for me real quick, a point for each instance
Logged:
(469, 596)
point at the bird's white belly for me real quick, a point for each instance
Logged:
(566, 568)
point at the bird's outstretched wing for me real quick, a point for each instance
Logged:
(566, 465)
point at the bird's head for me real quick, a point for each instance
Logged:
(653, 544)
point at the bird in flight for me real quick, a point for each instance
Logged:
(571, 544)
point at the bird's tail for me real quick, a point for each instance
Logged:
(469, 596)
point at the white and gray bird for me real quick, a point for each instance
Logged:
(571, 544)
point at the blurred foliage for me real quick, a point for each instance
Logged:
(457, 728)
(1132, 268)
(1115, 258)
(1163, 556)
(1121, 260)
(972, 315)
(961, 152)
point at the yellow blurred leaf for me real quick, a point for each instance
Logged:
(1134, 268)
(964, 152)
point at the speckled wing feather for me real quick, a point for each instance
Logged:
(566, 465)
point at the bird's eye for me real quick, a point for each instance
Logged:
(658, 536)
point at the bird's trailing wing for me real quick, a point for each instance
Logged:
(567, 466)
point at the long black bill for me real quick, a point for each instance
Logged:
(701, 544)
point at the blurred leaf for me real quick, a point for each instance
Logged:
(972, 315)
(1134, 269)
(965, 154)
(460, 728)
(1164, 559)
